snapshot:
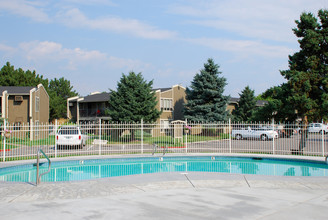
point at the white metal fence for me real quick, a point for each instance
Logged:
(21, 142)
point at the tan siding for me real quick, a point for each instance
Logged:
(179, 95)
(166, 94)
(17, 111)
(44, 106)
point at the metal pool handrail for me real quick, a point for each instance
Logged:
(154, 149)
(38, 177)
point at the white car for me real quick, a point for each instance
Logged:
(70, 135)
(254, 133)
(317, 128)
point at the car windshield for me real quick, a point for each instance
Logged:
(68, 131)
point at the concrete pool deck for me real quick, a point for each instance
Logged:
(190, 195)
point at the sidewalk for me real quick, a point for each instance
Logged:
(170, 196)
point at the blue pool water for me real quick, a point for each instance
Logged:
(103, 168)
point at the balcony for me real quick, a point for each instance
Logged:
(93, 113)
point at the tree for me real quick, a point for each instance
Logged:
(134, 100)
(59, 91)
(205, 99)
(278, 106)
(246, 105)
(9, 76)
(307, 75)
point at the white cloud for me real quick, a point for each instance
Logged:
(72, 59)
(25, 8)
(243, 48)
(75, 18)
(270, 19)
(92, 2)
(6, 48)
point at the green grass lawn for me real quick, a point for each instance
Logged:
(169, 141)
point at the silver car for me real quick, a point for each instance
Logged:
(70, 136)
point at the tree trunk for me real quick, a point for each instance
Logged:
(304, 134)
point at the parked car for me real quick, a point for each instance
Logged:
(258, 133)
(317, 128)
(70, 136)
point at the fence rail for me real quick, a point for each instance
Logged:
(21, 142)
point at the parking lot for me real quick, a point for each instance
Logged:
(316, 145)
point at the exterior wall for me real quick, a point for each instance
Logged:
(4, 105)
(177, 96)
(231, 107)
(39, 112)
(43, 114)
(179, 99)
(72, 111)
(18, 111)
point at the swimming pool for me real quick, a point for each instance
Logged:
(102, 168)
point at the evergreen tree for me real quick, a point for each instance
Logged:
(59, 91)
(308, 69)
(205, 99)
(134, 100)
(278, 106)
(246, 105)
(9, 76)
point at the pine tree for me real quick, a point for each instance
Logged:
(134, 100)
(308, 69)
(246, 105)
(205, 99)
(307, 76)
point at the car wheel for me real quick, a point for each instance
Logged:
(238, 137)
(322, 132)
(264, 137)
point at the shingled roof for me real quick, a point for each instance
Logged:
(99, 97)
(18, 90)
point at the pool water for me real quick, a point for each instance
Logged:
(103, 168)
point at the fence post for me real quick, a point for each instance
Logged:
(323, 140)
(99, 136)
(273, 147)
(186, 137)
(230, 146)
(4, 140)
(141, 136)
(56, 126)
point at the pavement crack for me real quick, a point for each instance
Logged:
(189, 180)
(247, 182)
(139, 188)
(20, 195)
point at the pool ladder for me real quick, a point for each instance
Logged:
(155, 148)
(38, 177)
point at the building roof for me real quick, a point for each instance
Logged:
(99, 97)
(162, 89)
(22, 90)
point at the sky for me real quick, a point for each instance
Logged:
(93, 42)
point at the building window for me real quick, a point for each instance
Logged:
(166, 104)
(37, 104)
